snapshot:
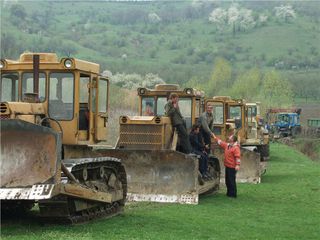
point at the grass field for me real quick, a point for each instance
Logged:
(285, 206)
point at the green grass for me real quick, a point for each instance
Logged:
(284, 206)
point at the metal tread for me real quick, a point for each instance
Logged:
(99, 210)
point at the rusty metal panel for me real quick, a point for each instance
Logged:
(30, 154)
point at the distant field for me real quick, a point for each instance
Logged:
(309, 110)
(284, 206)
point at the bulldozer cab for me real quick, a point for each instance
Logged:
(229, 116)
(151, 129)
(234, 116)
(70, 92)
(253, 119)
(152, 102)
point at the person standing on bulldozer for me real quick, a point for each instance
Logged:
(172, 110)
(206, 123)
(231, 162)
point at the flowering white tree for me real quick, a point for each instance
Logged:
(151, 79)
(124, 56)
(238, 18)
(246, 20)
(133, 81)
(285, 12)
(219, 17)
(107, 73)
(233, 14)
(263, 19)
(154, 18)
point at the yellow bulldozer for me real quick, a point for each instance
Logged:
(49, 106)
(162, 173)
(235, 116)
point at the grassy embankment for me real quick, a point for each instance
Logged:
(308, 146)
(284, 206)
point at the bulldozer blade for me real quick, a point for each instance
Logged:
(30, 154)
(251, 167)
(156, 176)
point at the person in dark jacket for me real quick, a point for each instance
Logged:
(206, 123)
(198, 148)
(172, 110)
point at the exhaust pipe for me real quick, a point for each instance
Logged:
(36, 63)
(34, 97)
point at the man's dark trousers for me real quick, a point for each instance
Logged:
(207, 139)
(230, 178)
(203, 161)
(184, 138)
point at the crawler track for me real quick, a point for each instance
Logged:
(102, 174)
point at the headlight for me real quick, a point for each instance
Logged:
(2, 64)
(157, 120)
(189, 91)
(123, 119)
(68, 63)
(141, 91)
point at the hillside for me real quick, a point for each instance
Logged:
(178, 45)
(283, 206)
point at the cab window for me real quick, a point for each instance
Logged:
(161, 102)
(235, 112)
(185, 105)
(27, 85)
(9, 87)
(103, 91)
(61, 95)
(148, 106)
(84, 102)
(198, 108)
(217, 113)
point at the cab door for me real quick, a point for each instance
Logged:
(219, 117)
(237, 113)
(101, 111)
(61, 107)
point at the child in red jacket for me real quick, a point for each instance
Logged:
(231, 162)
